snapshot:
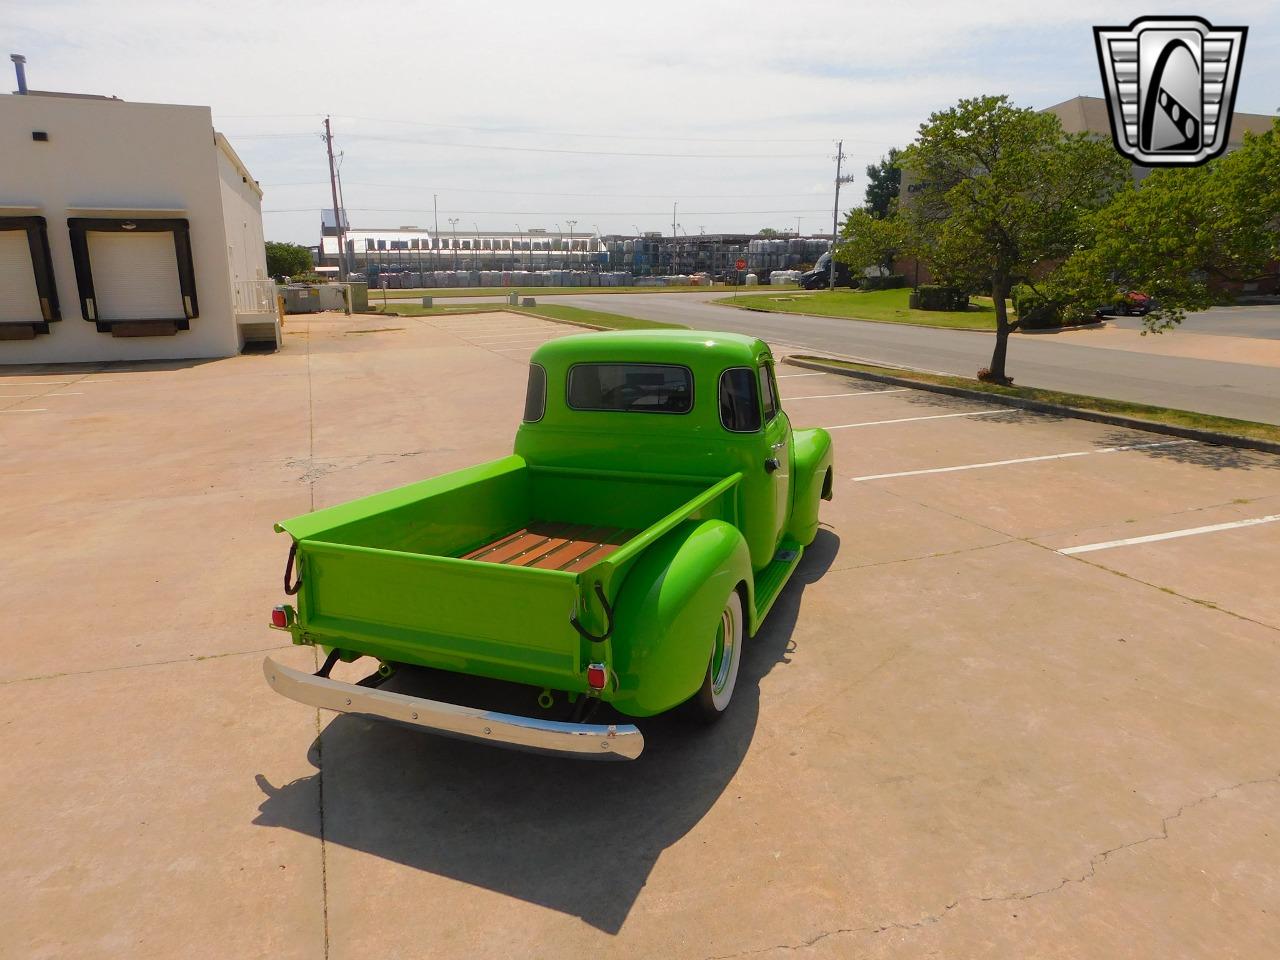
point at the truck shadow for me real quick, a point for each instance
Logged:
(573, 836)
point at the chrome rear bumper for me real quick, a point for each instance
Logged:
(594, 741)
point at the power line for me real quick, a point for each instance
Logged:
(524, 131)
(558, 150)
(556, 213)
(545, 193)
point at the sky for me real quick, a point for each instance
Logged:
(519, 115)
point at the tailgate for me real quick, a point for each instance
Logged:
(511, 623)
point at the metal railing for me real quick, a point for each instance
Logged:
(254, 296)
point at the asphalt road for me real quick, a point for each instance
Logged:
(1256, 321)
(1050, 361)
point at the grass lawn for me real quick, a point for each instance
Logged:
(375, 293)
(611, 321)
(887, 306)
(418, 310)
(1140, 411)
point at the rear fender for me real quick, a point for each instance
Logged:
(667, 612)
(813, 480)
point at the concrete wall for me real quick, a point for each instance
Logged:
(108, 158)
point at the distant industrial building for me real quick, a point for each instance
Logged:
(405, 255)
(410, 249)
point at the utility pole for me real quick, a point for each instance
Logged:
(835, 216)
(337, 217)
(674, 204)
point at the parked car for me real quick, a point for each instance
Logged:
(656, 504)
(1132, 303)
(819, 278)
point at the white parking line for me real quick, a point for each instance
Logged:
(28, 410)
(860, 393)
(936, 416)
(509, 341)
(1003, 463)
(15, 396)
(785, 376)
(1171, 535)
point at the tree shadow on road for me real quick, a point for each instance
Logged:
(1173, 450)
(574, 836)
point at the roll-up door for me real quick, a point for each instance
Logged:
(135, 276)
(19, 295)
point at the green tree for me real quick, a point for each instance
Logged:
(1195, 229)
(1002, 196)
(868, 241)
(287, 259)
(884, 179)
(767, 232)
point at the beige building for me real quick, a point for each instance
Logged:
(128, 231)
(1089, 115)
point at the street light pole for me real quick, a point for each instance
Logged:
(453, 222)
(572, 224)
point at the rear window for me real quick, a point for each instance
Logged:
(535, 395)
(739, 408)
(630, 388)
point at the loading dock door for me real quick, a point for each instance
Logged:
(135, 276)
(19, 296)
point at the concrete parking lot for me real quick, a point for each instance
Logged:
(1019, 699)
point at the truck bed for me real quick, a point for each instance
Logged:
(479, 571)
(553, 546)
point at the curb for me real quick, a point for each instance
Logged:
(537, 316)
(1038, 406)
(897, 323)
(827, 316)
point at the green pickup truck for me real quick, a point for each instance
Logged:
(655, 506)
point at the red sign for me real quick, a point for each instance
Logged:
(741, 264)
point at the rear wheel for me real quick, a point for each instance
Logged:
(712, 700)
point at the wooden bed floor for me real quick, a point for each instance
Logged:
(553, 546)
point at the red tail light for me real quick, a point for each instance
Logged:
(597, 676)
(280, 617)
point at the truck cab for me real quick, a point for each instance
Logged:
(655, 505)
(695, 403)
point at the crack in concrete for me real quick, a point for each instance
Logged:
(315, 652)
(1095, 862)
(1207, 604)
(1033, 541)
(194, 658)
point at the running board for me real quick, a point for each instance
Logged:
(771, 580)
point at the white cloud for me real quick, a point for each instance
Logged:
(782, 78)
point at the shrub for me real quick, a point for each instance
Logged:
(892, 282)
(1035, 310)
(929, 296)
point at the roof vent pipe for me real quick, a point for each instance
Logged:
(20, 66)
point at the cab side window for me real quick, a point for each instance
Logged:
(739, 404)
(768, 396)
